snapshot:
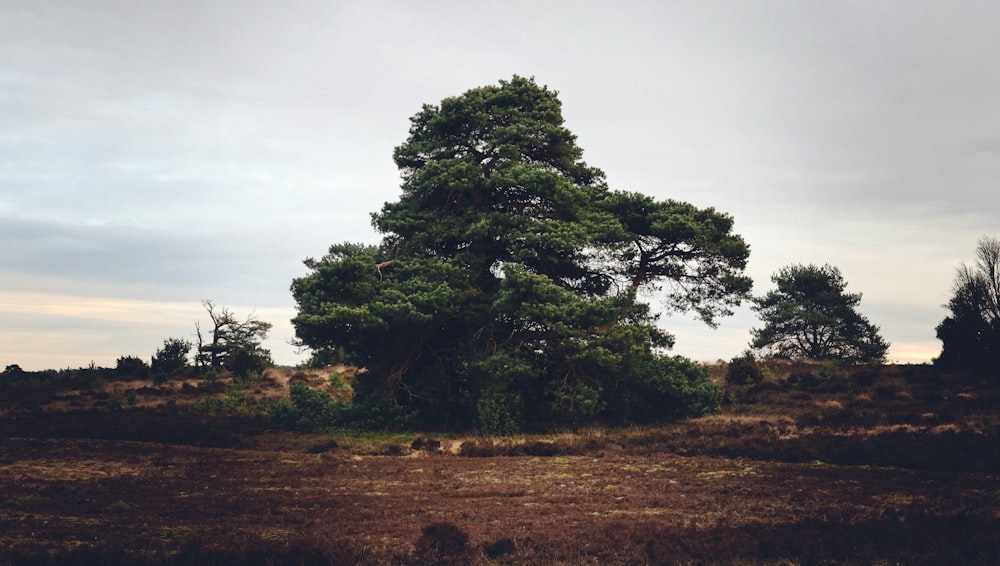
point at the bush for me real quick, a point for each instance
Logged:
(172, 357)
(236, 402)
(306, 410)
(442, 543)
(498, 413)
(674, 388)
(830, 369)
(245, 362)
(745, 370)
(131, 367)
(339, 388)
(576, 403)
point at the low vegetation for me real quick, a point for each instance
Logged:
(806, 463)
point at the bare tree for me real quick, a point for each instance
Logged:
(230, 336)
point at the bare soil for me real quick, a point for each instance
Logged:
(898, 465)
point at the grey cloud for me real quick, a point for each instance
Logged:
(138, 264)
(180, 150)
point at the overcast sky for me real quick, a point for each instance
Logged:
(157, 153)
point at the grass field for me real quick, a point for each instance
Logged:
(891, 465)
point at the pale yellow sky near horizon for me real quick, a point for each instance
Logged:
(69, 327)
(72, 339)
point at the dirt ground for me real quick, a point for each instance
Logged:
(147, 487)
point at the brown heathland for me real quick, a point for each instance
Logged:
(895, 465)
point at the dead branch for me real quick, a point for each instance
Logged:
(381, 266)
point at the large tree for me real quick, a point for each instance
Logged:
(810, 315)
(505, 283)
(971, 335)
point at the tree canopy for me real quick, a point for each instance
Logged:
(504, 288)
(970, 336)
(810, 315)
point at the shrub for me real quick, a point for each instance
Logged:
(673, 388)
(131, 367)
(803, 380)
(212, 375)
(339, 388)
(172, 357)
(498, 413)
(306, 410)
(830, 369)
(576, 403)
(244, 362)
(745, 369)
(442, 543)
(500, 548)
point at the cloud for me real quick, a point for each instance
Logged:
(166, 152)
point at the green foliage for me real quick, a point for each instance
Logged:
(237, 400)
(830, 369)
(692, 251)
(971, 335)
(499, 412)
(325, 358)
(245, 362)
(673, 388)
(116, 400)
(131, 367)
(504, 291)
(339, 387)
(171, 357)
(235, 344)
(745, 369)
(809, 315)
(212, 375)
(575, 403)
(307, 410)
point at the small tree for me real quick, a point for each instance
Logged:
(971, 335)
(810, 315)
(172, 357)
(235, 343)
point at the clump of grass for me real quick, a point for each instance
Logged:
(442, 543)
(745, 370)
(426, 444)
